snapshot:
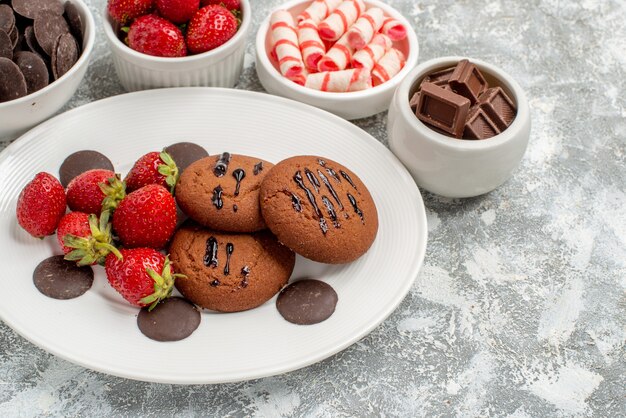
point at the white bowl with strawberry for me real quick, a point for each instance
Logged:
(177, 43)
(336, 80)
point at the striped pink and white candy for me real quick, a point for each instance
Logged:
(338, 57)
(311, 46)
(340, 20)
(367, 57)
(355, 79)
(285, 44)
(388, 66)
(366, 26)
(393, 29)
(336, 37)
(318, 10)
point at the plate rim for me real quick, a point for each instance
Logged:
(417, 263)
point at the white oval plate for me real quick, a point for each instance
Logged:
(98, 330)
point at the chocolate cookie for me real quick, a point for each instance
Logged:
(229, 272)
(222, 192)
(319, 209)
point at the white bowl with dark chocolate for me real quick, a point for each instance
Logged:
(27, 96)
(453, 142)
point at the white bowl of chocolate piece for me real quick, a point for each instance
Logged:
(51, 42)
(466, 131)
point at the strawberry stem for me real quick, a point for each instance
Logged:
(163, 284)
(169, 169)
(94, 248)
(114, 192)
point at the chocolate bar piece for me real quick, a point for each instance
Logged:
(467, 80)
(442, 109)
(498, 106)
(415, 99)
(479, 125)
(439, 78)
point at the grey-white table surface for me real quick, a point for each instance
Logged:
(520, 307)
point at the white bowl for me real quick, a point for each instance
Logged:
(353, 105)
(20, 114)
(451, 167)
(220, 67)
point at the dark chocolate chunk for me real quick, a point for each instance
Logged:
(12, 82)
(72, 15)
(65, 55)
(31, 42)
(19, 44)
(185, 153)
(7, 19)
(173, 319)
(30, 8)
(415, 99)
(81, 161)
(307, 302)
(6, 46)
(34, 70)
(14, 35)
(48, 27)
(479, 125)
(498, 106)
(58, 278)
(442, 109)
(468, 81)
(439, 78)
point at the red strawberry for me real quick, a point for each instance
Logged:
(74, 223)
(84, 239)
(143, 276)
(94, 191)
(209, 28)
(177, 11)
(124, 11)
(41, 205)
(229, 4)
(146, 217)
(156, 36)
(152, 168)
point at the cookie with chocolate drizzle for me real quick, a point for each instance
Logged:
(229, 272)
(319, 208)
(222, 192)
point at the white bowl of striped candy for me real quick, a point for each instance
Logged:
(356, 76)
